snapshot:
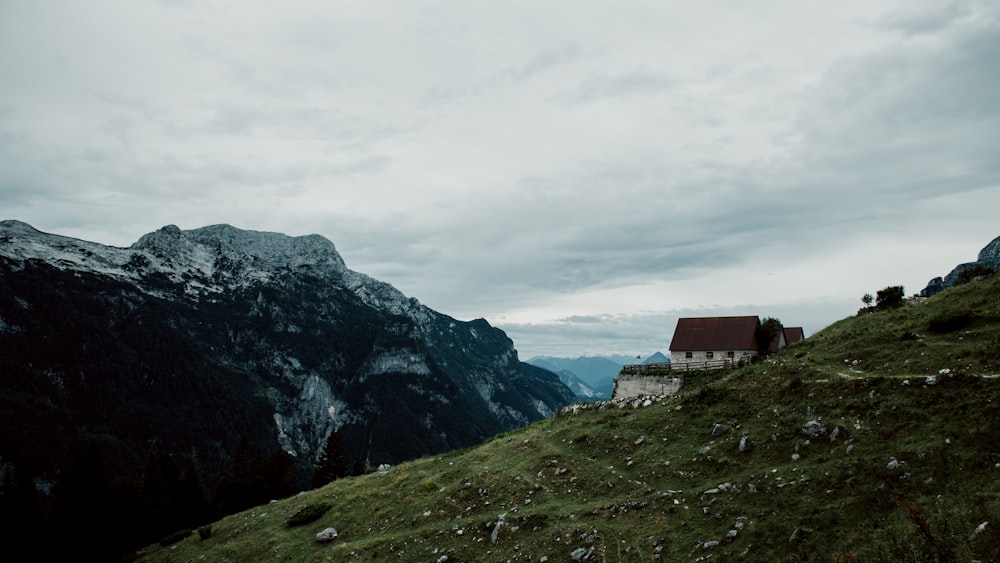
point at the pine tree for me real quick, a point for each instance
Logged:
(332, 464)
(81, 503)
(193, 501)
(768, 332)
(279, 475)
(160, 492)
(243, 486)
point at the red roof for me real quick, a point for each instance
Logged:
(794, 334)
(715, 333)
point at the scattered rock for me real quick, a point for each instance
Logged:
(620, 508)
(893, 464)
(834, 433)
(744, 443)
(326, 535)
(719, 429)
(709, 544)
(813, 429)
(639, 440)
(797, 533)
(495, 535)
(579, 554)
(979, 530)
(930, 380)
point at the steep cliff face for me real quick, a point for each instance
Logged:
(990, 254)
(197, 338)
(989, 257)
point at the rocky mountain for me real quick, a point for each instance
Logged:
(582, 391)
(989, 257)
(657, 358)
(195, 339)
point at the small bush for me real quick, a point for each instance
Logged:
(890, 298)
(205, 532)
(307, 514)
(710, 395)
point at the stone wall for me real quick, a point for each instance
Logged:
(635, 385)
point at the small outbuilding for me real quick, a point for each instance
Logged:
(793, 334)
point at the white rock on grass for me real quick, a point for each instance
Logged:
(326, 535)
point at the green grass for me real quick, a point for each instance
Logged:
(627, 482)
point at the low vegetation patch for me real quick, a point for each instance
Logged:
(946, 323)
(308, 513)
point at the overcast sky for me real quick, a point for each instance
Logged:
(580, 173)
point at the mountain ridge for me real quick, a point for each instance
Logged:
(246, 333)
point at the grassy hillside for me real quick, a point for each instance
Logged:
(837, 449)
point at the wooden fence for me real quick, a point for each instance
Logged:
(725, 363)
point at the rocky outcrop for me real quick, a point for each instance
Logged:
(989, 257)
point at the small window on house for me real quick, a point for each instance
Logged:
(688, 354)
(709, 355)
(731, 354)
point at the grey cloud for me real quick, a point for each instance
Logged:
(450, 94)
(345, 130)
(598, 87)
(546, 60)
(912, 121)
(421, 140)
(913, 21)
(543, 61)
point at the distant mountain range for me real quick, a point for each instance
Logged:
(195, 339)
(591, 377)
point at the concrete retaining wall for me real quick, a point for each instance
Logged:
(635, 385)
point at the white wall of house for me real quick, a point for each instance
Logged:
(678, 359)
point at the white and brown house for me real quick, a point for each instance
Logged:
(701, 342)
(706, 342)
